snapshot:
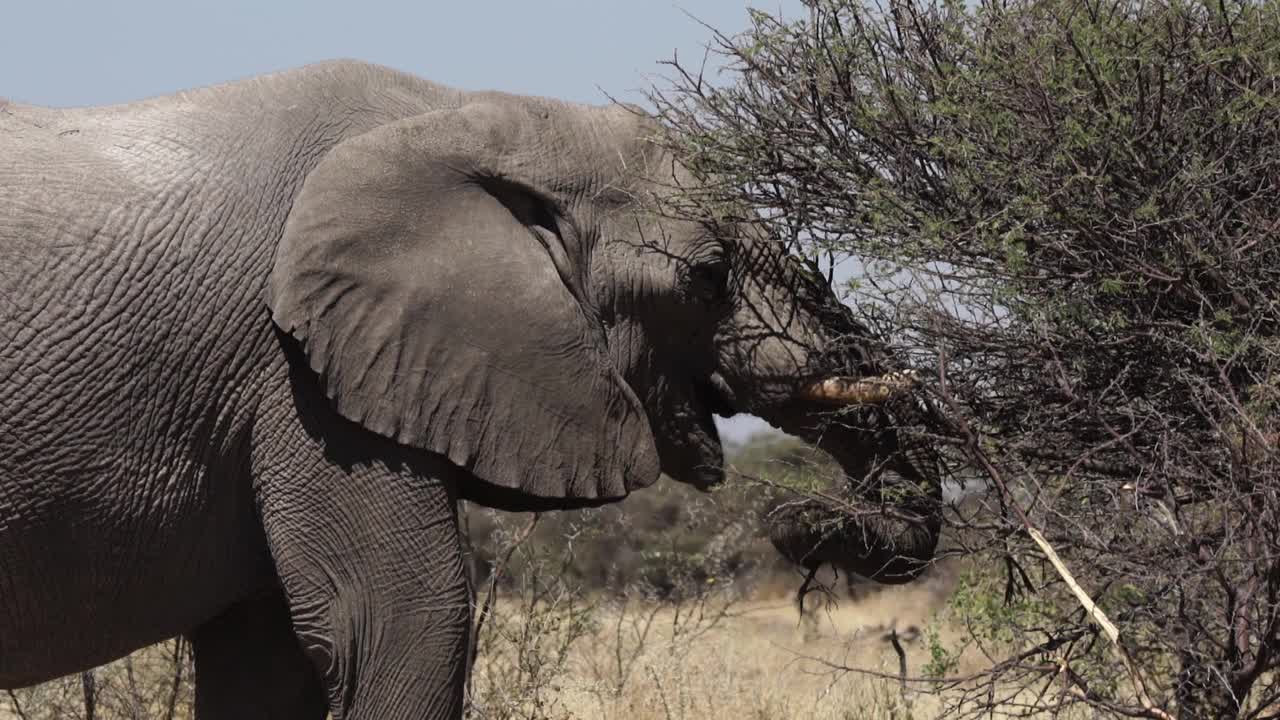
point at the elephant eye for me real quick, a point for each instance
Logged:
(709, 279)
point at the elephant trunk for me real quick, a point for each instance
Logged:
(794, 355)
(884, 522)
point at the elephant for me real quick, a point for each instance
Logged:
(259, 339)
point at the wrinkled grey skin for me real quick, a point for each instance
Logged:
(256, 340)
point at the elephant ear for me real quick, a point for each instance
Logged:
(441, 298)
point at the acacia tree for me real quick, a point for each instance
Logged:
(1068, 213)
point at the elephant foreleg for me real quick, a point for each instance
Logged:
(249, 666)
(378, 596)
(364, 535)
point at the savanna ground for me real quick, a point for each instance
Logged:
(608, 658)
(714, 658)
(552, 655)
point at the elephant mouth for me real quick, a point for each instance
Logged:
(717, 397)
(685, 430)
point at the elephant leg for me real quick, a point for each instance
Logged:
(249, 666)
(378, 596)
(364, 535)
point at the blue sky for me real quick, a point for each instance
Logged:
(63, 52)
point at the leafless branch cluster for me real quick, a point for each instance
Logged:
(155, 684)
(532, 628)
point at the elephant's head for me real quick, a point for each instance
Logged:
(484, 283)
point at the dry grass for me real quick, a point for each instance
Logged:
(725, 660)
(753, 664)
(151, 684)
(642, 661)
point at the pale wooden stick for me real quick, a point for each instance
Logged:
(1101, 619)
(861, 391)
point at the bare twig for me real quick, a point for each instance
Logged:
(175, 687)
(491, 595)
(88, 686)
(17, 706)
(1098, 616)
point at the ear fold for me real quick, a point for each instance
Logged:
(439, 297)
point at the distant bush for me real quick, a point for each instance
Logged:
(670, 540)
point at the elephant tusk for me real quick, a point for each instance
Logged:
(861, 391)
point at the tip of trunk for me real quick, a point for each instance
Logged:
(883, 519)
(888, 545)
